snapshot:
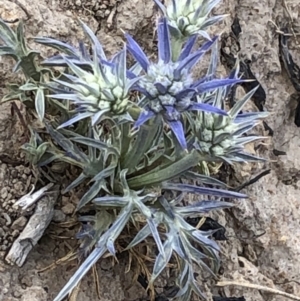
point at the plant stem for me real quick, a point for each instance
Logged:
(176, 48)
(143, 142)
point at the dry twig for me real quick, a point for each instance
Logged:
(258, 287)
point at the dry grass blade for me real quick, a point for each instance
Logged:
(96, 280)
(74, 293)
(258, 287)
(72, 255)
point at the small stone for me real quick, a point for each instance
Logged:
(59, 216)
(17, 293)
(19, 223)
(65, 200)
(26, 281)
(34, 293)
(68, 209)
(15, 233)
(27, 171)
(14, 174)
(4, 193)
(100, 14)
(19, 187)
(20, 168)
(2, 233)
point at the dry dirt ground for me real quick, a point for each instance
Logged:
(263, 231)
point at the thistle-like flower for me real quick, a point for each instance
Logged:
(222, 138)
(102, 89)
(168, 86)
(190, 17)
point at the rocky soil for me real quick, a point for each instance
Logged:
(263, 232)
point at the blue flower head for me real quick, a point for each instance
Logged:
(168, 86)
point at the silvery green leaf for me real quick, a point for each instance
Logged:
(90, 194)
(77, 70)
(213, 20)
(67, 96)
(244, 128)
(250, 158)
(110, 246)
(177, 200)
(184, 269)
(76, 182)
(7, 35)
(240, 104)
(153, 227)
(6, 50)
(162, 7)
(202, 190)
(203, 240)
(121, 221)
(198, 257)
(203, 207)
(75, 119)
(96, 254)
(178, 246)
(250, 116)
(40, 103)
(96, 143)
(20, 38)
(29, 87)
(60, 46)
(204, 34)
(213, 61)
(218, 139)
(94, 40)
(64, 143)
(249, 139)
(204, 179)
(104, 173)
(167, 206)
(136, 69)
(46, 160)
(75, 87)
(141, 236)
(71, 150)
(96, 118)
(165, 173)
(161, 261)
(196, 289)
(110, 201)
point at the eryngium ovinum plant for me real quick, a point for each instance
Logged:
(139, 135)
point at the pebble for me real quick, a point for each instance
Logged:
(19, 223)
(4, 192)
(2, 233)
(19, 187)
(27, 171)
(65, 200)
(15, 233)
(59, 216)
(68, 209)
(17, 293)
